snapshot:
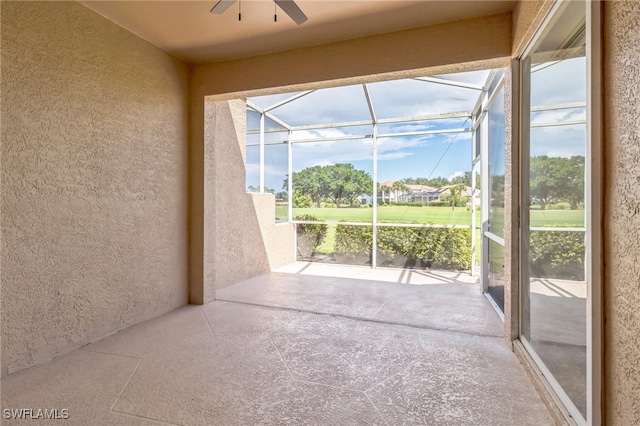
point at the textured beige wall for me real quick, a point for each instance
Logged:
(234, 247)
(279, 239)
(407, 53)
(527, 17)
(622, 211)
(94, 180)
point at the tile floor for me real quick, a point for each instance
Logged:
(230, 363)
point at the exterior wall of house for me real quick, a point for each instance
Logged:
(621, 70)
(94, 180)
(241, 239)
(279, 239)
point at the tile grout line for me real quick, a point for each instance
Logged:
(356, 318)
(245, 404)
(378, 310)
(207, 321)
(107, 353)
(375, 407)
(125, 385)
(280, 354)
(412, 364)
(145, 417)
(312, 382)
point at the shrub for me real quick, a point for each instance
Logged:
(328, 204)
(310, 236)
(446, 248)
(356, 203)
(557, 254)
(407, 203)
(353, 243)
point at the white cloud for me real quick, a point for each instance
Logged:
(456, 174)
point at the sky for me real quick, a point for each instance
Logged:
(444, 155)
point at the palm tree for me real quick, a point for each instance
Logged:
(382, 189)
(399, 188)
(456, 194)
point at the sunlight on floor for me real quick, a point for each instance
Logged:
(404, 276)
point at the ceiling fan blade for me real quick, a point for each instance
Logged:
(221, 6)
(291, 8)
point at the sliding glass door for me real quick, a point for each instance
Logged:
(556, 183)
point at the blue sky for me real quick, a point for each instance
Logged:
(417, 156)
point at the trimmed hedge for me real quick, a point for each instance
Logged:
(353, 244)
(310, 236)
(407, 203)
(443, 248)
(557, 254)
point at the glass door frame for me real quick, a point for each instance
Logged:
(485, 170)
(593, 210)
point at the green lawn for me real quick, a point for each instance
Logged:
(438, 215)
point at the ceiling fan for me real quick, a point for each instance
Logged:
(288, 6)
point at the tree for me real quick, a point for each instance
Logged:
(343, 182)
(557, 178)
(382, 189)
(456, 194)
(308, 181)
(399, 188)
(301, 200)
(571, 179)
(337, 182)
(465, 179)
(252, 188)
(542, 181)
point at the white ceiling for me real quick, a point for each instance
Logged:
(187, 29)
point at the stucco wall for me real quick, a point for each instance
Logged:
(94, 180)
(527, 17)
(400, 54)
(234, 247)
(279, 239)
(622, 211)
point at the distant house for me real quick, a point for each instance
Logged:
(419, 193)
(366, 199)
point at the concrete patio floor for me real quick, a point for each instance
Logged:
(232, 363)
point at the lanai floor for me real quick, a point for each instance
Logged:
(292, 348)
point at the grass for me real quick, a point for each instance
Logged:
(437, 215)
(397, 214)
(329, 243)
